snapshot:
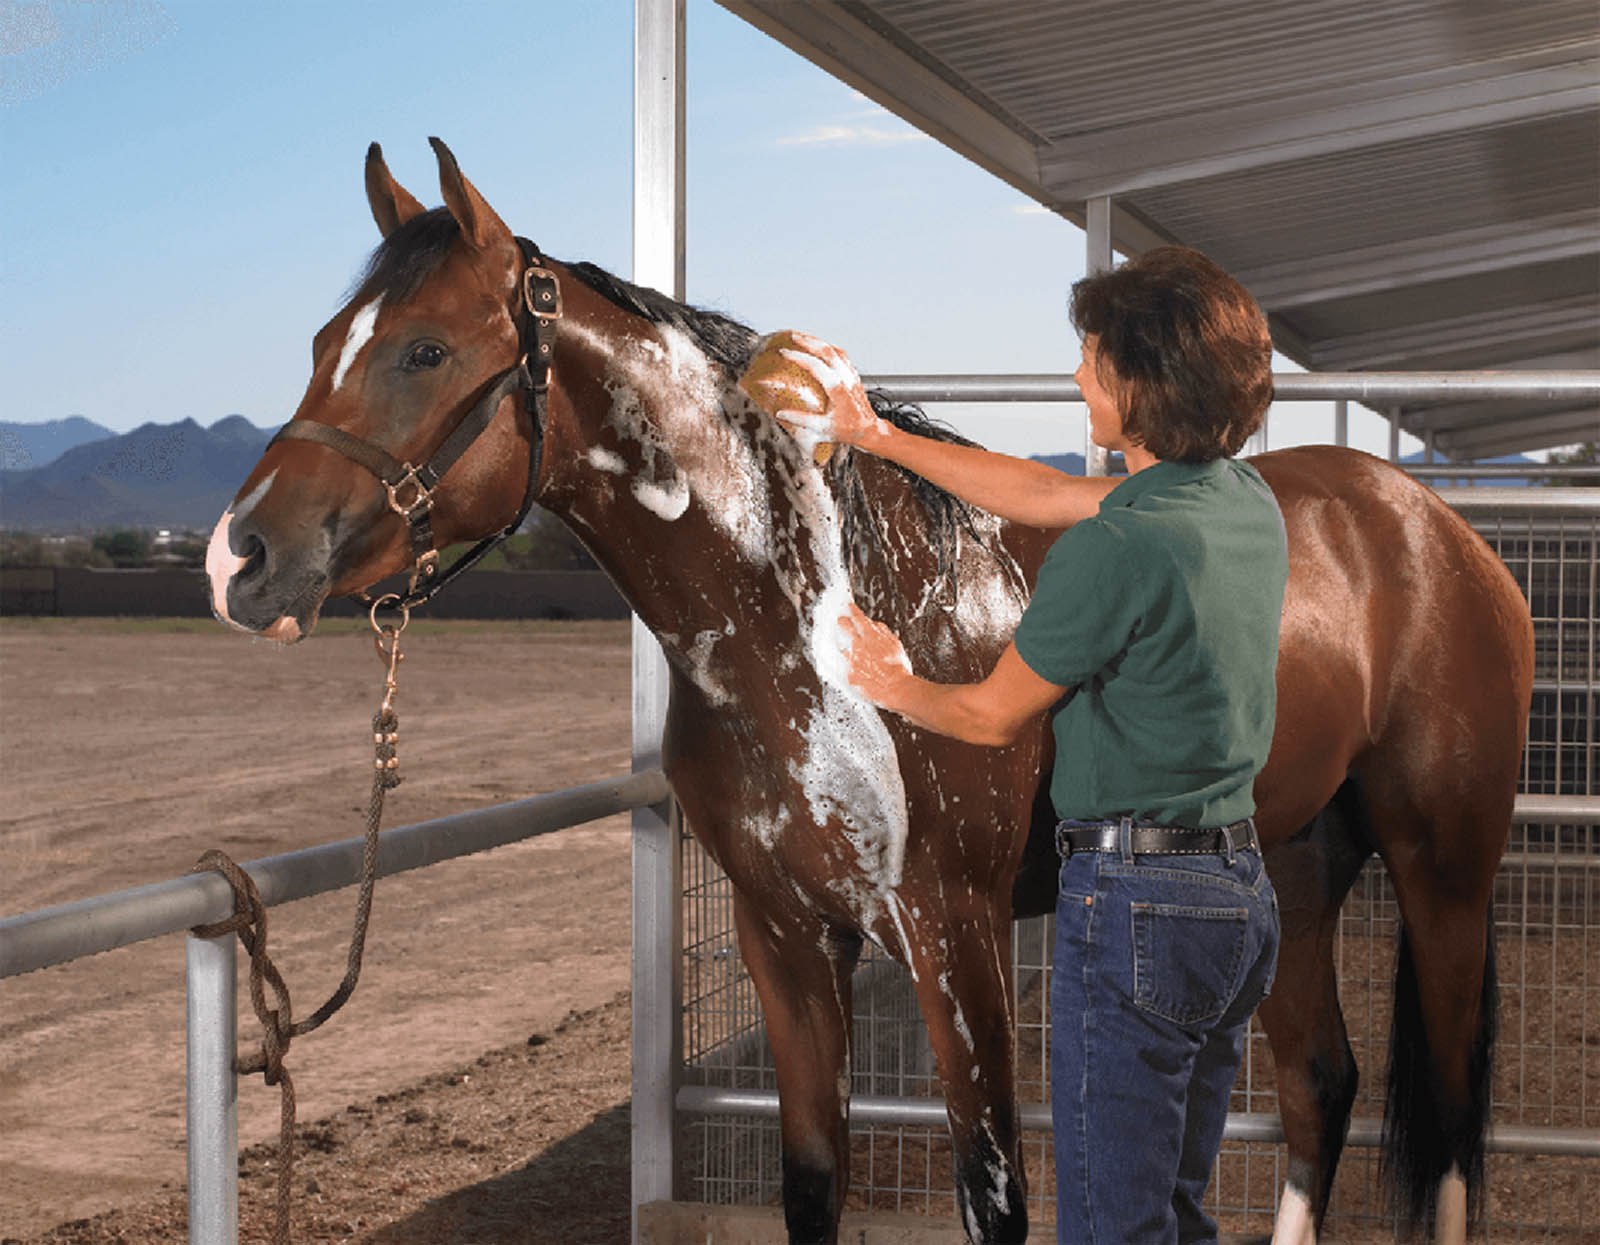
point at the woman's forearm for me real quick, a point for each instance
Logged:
(1018, 489)
(961, 711)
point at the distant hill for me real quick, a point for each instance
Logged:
(159, 475)
(1072, 464)
(1419, 459)
(36, 445)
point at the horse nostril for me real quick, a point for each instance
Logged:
(255, 557)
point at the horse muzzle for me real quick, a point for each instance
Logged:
(262, 586)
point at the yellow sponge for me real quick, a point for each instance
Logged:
(775, 384)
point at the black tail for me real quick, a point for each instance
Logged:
(1422, 1139)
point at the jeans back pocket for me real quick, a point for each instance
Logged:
(1187, 960)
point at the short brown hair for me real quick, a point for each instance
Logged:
(1189, 349)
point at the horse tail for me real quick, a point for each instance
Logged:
(1421, 1140)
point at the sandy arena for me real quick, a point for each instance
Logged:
(128, 748)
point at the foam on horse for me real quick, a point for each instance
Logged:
(1404, 680)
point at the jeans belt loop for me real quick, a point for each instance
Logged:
(1125, 839)
(1228, 853)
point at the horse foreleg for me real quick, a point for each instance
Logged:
(802, 976)
(964, 991)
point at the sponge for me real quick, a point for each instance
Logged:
(775, 384)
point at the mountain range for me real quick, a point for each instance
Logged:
(175, 476)
(33, 445)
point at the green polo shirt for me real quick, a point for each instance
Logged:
(1161, 615)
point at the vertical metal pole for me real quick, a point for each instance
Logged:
(1097, 241)
(658, 261)
(1429, 455)
(1341, 422)
(213, 1093)
(1394, 434)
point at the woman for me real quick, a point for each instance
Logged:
(1153, 634)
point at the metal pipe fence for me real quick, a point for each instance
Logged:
(1546, 1127)
(51, 936)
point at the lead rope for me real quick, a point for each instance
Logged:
(249, 921)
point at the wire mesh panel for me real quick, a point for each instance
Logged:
(1547, 923)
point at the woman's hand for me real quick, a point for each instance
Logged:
(879, 667)
(813, 388)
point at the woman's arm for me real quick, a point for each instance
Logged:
(1017, 489)
(992, 712)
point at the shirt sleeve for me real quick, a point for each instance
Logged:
(1086, 606)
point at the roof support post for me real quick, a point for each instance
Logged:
(1394, 434)
(1341, 422)
(1097, 241)
(658, 261)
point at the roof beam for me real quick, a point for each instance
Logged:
(1466, 252)
(1223, 141)
(1461, 416)
(1493, 329)
(1510, 436)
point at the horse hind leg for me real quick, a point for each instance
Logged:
(964, 992)
(803, 979)
(1442, 847)
(1317, 1077)
(1440, 1065)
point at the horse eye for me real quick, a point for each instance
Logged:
(424, 355)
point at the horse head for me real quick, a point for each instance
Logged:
(421, 373)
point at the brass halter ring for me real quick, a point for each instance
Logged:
(381, 629)
(423, 497)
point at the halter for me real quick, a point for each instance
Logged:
(410, 489)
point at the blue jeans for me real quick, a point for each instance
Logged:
(1159, 963)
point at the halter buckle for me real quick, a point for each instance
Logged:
(410, 477)
(541, 293)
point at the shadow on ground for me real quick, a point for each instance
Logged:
(577, 1192)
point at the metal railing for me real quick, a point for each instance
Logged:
(50, 936)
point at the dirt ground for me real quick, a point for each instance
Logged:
(128, 748)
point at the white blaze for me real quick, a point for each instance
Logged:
(361, 329)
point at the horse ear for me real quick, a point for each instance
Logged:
(392, 204)
(479, 224)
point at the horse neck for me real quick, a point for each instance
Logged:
(704, 512)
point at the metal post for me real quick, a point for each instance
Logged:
(1097, 240)
(1341, 422)
(658, 261)
(1429, 455)
(213, 1093)
(1394, 434)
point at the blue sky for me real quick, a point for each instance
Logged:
(183, 201)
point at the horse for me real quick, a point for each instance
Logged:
(1404, 682)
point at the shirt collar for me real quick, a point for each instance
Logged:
(1161, 475)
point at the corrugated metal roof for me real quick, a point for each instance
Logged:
(1406, 186)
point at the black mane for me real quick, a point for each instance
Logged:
(409, 255)
(733, 345)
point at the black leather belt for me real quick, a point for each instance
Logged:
(1150, 840)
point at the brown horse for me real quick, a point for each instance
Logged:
(1404, 685)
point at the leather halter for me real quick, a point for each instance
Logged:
(410, 488)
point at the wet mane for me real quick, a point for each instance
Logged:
(732, 345)
(408, 256)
